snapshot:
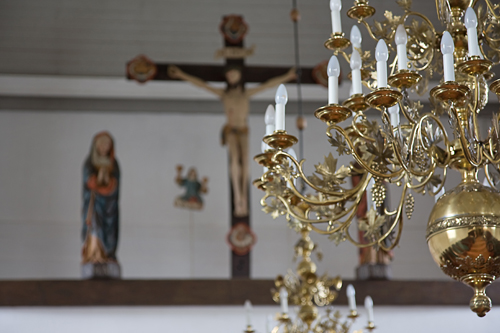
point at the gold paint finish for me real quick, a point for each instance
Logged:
(258, 183)
(404, 79)
(333, 113)
(265, 159)
(337, 42)
(450, 91)
(495, 87)
(361, 10)
(356, 103)
(475, 66)
(280, 140)
(383, 97)
(463, 234)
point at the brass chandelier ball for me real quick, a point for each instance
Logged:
(463, 234)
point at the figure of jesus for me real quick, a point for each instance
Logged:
(236, 101)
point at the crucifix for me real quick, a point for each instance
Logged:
(235, 98)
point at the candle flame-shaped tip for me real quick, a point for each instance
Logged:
(355, 60)
(368, 302)
(381, 51)
(281, 95)
(350, 290)
(401, 37)
(248, 305)
(470, 18)
(333, 68)
(355, 36)
(335, 4)
(269, 118)
(447, 45)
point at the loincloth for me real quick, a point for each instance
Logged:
(239, 132)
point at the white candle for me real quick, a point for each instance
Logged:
(281, 98)
(351, 297)
(369, 201)
(269, 324)
(381, 54)
(269, 119)
(447, 49)
(471, 25)
(335, 7)
(439, 194)
(356, 72)
(401, 40)
(369, 308)
(248, 310)
(333, 71)
(355, 37)
(284, 300)
(394, 113)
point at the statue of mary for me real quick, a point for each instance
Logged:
(101, 183)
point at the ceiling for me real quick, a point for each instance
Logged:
(97, 37)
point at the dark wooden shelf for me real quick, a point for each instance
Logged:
(219, 292)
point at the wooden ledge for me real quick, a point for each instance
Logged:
(219, 292)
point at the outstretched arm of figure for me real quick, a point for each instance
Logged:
(289, 76)
(176, 73)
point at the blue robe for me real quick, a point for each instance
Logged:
(105, 215)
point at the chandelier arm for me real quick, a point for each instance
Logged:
(290, 212)
(431, 49)
(396, 150)
(426, 180)
(465, 144)
(492, 9)
(345, 55)
(397, 220)
(446, 141)
(441, 186)
(343, 195)
(356, 129)
(370, 31)
(490, 157)
(488, 41)
(405, 112)
(487, 174)
(358, 158)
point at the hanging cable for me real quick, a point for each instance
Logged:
(301, 122)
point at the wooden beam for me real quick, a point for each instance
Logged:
(220, 292)
(216, 73)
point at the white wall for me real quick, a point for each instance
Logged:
(229, 319)
(40, 199)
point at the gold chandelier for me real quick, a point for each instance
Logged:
(308, 290)
(463, 230)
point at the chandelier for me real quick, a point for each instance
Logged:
(413, 152)
(308, 291)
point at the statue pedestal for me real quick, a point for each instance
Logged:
(109, 270)
(373, 272)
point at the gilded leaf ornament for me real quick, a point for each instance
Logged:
(332, 178)
(372, 223)
(340, 144)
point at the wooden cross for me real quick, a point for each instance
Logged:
(142, 69)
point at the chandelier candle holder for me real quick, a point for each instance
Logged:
(409, 147)
(308, 290)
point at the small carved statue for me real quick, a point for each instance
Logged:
(101, 183)
(192, 198)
